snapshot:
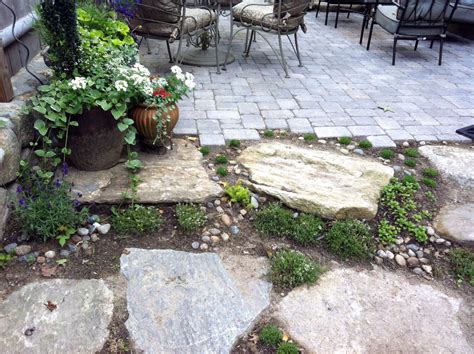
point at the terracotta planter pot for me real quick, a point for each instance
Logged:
(96, 144)
(143, 116)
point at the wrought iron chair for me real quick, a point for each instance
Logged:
(414, 20)
(338, 4)
(174, 20)
(281, 18)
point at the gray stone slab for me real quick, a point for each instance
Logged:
(4, 210)
(456, 222)
(175, 177)
(453, 162)
(381, 141)
(241, 134)
(354, 311)
(78, 324)
(207, 139)
(182, 302)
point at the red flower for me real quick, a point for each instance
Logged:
(162, 93)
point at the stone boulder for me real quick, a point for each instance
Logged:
(4, 210)
(316, 180)
(10, 149)
(181, 302)
(76, 320)
(456, 163)
(456, 222)
(175, 177)
(353, 311)
(20, 123)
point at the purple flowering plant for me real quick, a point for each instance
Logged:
(48, 208)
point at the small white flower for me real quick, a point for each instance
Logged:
(138, 79)
(175, 69)
(189, 76)
(161, 82)
(190, 84)
(139, 68)
(78, 83)
(180, 76)
(121, 85)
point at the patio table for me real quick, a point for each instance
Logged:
(201, 56)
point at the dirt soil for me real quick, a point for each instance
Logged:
(102, 259)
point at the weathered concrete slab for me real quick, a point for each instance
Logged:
(456, 222)
(175, 177)
(453, 162)
(78, 324)
(182, 302)
(316, 180)
(351, 311)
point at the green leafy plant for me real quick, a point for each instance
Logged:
(190, 217)
(64, 234)
(268, 134)
(45, 208)
(136, 220)
(270, 335)
(221, 159)
(205, 150)
(365, 144)
(239, 194)
(430, 173)
(287, 348)
(402, 210)
(429, 182)
(309, 137)
(234, 143)
(292, 268)
(275, 220)
(350, 239)
(430, 195)
(410, 163)
(345, 140)
(386, 154)
(5, 258)
(387, 232)
(462, 265)
(409, 179)
(412, 152)
(222, 171)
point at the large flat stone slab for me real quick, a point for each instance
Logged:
(78, 324)
(316, 180)
(175, 177)
(453, 162)
(456, 222)
(4, 210)
(351, 311)
(10, 148)
(181, 302)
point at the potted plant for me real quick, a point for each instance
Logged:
(157, 113)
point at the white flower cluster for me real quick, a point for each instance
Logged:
(187, 78)
(78, 83)
(160, 82)
(121, 85)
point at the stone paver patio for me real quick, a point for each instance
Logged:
(341, 91)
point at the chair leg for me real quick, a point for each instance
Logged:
(362, 30)
(416, 44)
(283, 61)
(169, 51)
(337, 14)
(252, 36)
(370, 33)
(318, 8)
(441, 41)
(395, 39)
(298, 50)
(148, 45)
(431, 44)
(349, 12)
(327, 13)
(230, 45)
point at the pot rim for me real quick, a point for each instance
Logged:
(153, 106)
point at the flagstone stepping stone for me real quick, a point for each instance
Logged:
(175, 177)
(454, 162)
(181, 302)
(456, 222)
(56, 316)
(316, 180)
(353, 311)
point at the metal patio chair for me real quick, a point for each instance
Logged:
(281, 18)
(414, 20)
(174, 20)
(338, 4)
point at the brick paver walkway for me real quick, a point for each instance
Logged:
(341, 91)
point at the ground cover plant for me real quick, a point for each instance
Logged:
(270, 335)
(309, 137)
(222, 171)
(365, 144)
(221, 159)
(462, 265)
(234, 143)
(386, 154)
(403, 215)
(136, 220)
(268, 134)
(350, 239)
(275, 220)
(287, 348)
(239, 194)
(292, 268)
(190, 217)
(204, 150)
(345, 140)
